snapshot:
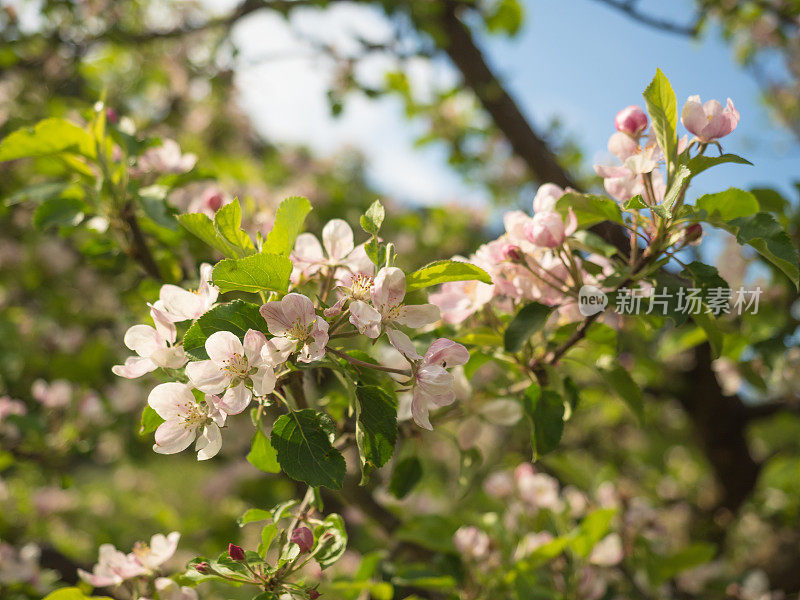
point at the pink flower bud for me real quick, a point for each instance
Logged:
(546, 229)
(709, 121)
(235, 552)
(202, 567)
(312, 594)
(112, 116)
(631, 120)
(692, 234)
(511, 252)
(303, 537)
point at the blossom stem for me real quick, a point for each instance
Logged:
(361, 363)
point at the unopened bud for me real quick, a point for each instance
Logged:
(512, 252)
(631, 120)
(313, 594)
(692, 234)
(235, 552)
(202, 567)
(303, 537)
(112, 116)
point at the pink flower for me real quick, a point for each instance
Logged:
(471, 543)
(234, 368)
(548, 230)
(546, 197)
(337, 250)
(303, 537)
(155, 347)
(9, 406)
(622, 146)
(709, 121)
(537, 489)
(294, 323)
(209, 202)
(160, 549)
(388, 293)
(179, 304)
(112, 568)
(165, 159)
(458, 300)
(631, 121)
(433, 384)
(185, 420)
(56, 394)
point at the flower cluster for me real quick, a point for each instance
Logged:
(113, 567)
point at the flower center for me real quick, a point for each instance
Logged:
(236, 366)
(194, 416)
(392, 312)
(362, 286)
(298, 331)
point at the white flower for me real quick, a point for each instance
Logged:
(112, 568)
(388, 293)
(231, 366)
(169, 590)
(337, 250)
(158, 551)
(155, 347)
(608, 551)
(471, 542)
(164, 159)
(184, 305)
(294, 323)
(185, 420)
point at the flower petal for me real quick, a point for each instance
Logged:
(253, 342)
(222, 346)
(209, 442)
(143, 339)
(173, 437)
(171, 400)
(389, 288)
(235, 400)
(337, 238)
(135, 366)
(418, 315)
(207, 377)
(403, 344)
(365, 318)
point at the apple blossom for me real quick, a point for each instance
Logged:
(169, 590)
(185, 420)
(548, 230)
(546, 197)
(294, 323)
(179, 304)
(458, 300)
(9, 406)
(432, 384)
(337, 249)
(155, 347)
(56, 394)
(537, 489)
(709, 121)
(532, 542)
(471, 543)
(209, 202)
(164, 159)
(387, 308)
(303, 537)
(354, 286)
(160, 549)
(608, 551)
(631, 120)
(233, 367)
(112, 568)
(235, 552)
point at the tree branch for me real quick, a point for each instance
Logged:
(629, 8)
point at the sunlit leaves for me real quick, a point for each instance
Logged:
(289, 219)
(224, 233)
(255, 273)
(50, 136)
(443, 271)
(262, 455)
(302, 440)
(663, 108)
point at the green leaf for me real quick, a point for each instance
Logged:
(592, 529)
(505, 16)
(727, 205)
(150, 421)
(545, 409)
(72, 593)
(228, 225)
(619, 380)
(262, 455)
(253, 515)
(704, 276)
(680, 179)
(58, 212)
(237, 317)
(332, 536)
(305, 453)
(376, 427)
(763, 232)
(635, 203)
(289, 219)
(50, 136)
(663, 108)
(255, 273)
(372, 220)
(443, 271)
(530, 319)
(405, 476)
(589, 209)
(268, 533)
(700, 163)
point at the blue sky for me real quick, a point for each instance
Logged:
(575, 59)
(583, 61)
